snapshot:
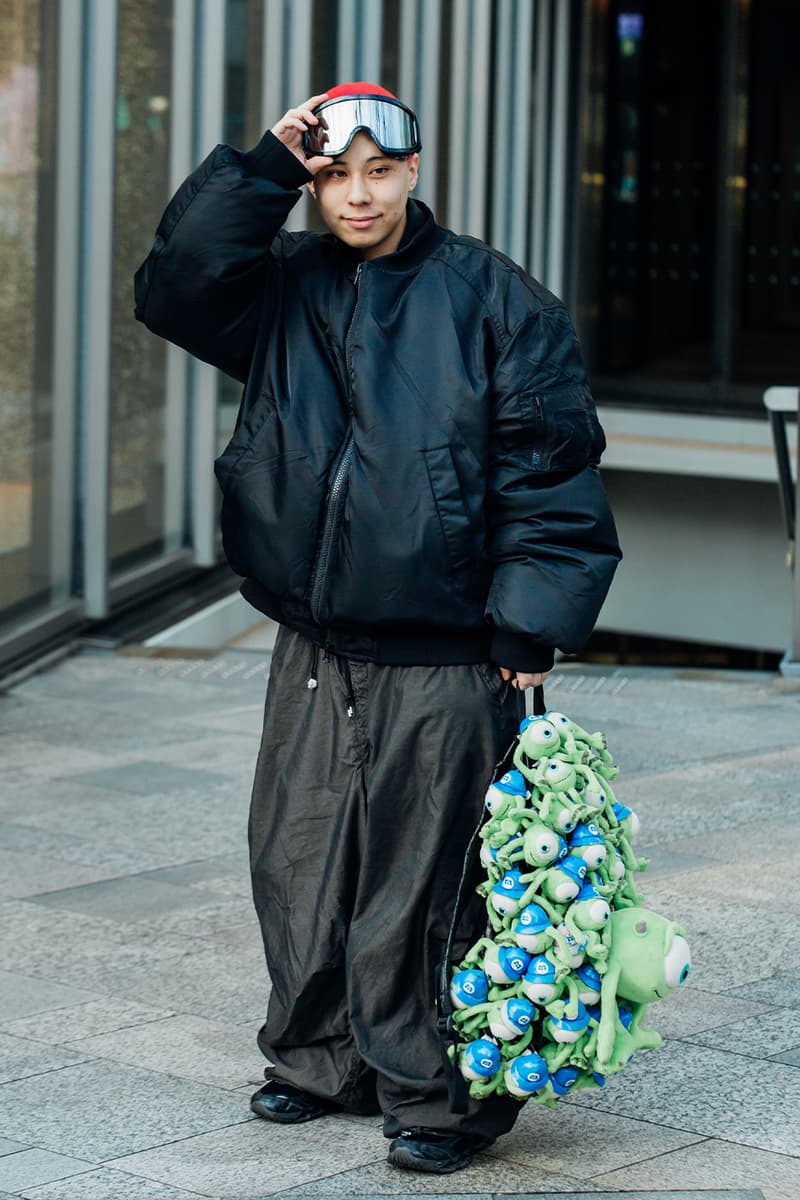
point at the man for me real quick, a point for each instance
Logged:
(412, 491)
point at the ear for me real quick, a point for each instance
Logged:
(413, 171)
(310, 186)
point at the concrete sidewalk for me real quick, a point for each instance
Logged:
(132, 980)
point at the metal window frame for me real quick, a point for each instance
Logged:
(358, 42)
(65, 306)
(96, 306)
(420, 47)
(177, 369)
(540, 133)
(202, 422)
(286, 67)
(512, 101)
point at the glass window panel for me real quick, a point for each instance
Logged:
(138, 360)
(244, 39)
(28, 79)
(765, 349)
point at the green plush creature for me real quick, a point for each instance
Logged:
(648, 958)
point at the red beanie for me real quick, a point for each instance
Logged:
(359, 88)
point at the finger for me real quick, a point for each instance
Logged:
(505, 673)
(308, 116)
(313, 101)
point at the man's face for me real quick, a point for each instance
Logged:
(362, 196)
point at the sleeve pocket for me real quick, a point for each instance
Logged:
(567, 433)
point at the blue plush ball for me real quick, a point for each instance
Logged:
(526, 1075)
(479, 1059)
(468, 988)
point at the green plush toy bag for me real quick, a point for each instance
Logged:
(553, 997)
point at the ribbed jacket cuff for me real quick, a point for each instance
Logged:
(272, 160)
(518, 652)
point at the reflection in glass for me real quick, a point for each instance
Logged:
(28, 65)
(244, 34)
(138, 360)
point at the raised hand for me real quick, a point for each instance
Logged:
(291, 127)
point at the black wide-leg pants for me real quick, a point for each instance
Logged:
(367, 790)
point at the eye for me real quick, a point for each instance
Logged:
(539, 733)
(557, 718)
(599, 911)
(677, 963)
(548, 844)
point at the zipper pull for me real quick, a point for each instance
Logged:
(359, 269)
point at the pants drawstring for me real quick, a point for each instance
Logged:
(312, 681)
(344, 670)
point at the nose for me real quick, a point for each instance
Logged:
(358, 192)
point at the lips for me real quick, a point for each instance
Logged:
(360, 222)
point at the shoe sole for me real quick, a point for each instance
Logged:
(288, 1118)
(408, 1161)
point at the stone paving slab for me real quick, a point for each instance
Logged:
(705, 1091)
(582, 1143)
(782, 988)
(704, 1164)
(21, 1058)
(134, 948)
(766, 1036)
(104, 1183)
(184, 1046)
(256, 1158)
(98, 1110)
(28, 1168)
(68, 1024)
(24, 995)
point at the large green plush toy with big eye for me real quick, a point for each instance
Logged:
(555, 996)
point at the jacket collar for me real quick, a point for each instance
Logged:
(421, 237)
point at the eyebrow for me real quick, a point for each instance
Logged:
(342, 162)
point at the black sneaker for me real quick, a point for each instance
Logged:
(438, 1151)
(279, 1101)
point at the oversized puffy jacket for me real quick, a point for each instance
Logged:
(413, 473)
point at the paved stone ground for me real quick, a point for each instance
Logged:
(132, 984)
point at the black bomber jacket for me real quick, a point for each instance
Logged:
(413, 473)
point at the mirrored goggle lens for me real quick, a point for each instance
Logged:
(392, 127)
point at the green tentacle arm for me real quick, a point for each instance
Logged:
(474, 955)
(606, 1032)
(463, 1017)
(481, 1088)
(527, 772)
(511, 1049)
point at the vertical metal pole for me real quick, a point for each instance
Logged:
(273, 63)
(298, 82)
(503, 127)
(460, 161)
(559, 159)
(428, 98)
(65, 298)
(409, 59)
(97, 254)
(480, 118)
(541, 140)
(521, 149)
(796, 564)
(204, 409)
(180, 165)
(348, 58)
(370, 16)
(729, 197)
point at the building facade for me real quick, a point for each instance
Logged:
(641, 159)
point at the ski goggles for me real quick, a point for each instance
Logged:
(391, 125)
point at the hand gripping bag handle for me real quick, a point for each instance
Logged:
(457, 1086)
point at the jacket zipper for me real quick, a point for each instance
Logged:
(336, 490)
